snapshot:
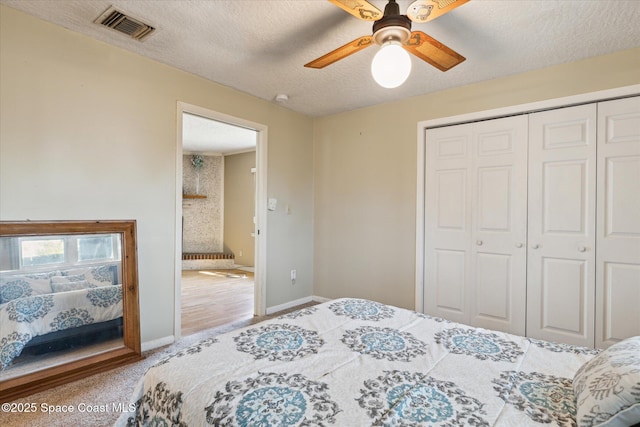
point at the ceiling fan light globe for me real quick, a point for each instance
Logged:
(391, 66)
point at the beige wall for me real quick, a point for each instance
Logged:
(239, 206)
(365, 170)
(89, 131)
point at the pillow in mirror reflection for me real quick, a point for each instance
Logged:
(15, 287)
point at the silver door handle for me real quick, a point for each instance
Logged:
(582, 249)
(536, 246)
(519, 245)
(479, 242)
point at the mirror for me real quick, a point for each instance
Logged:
(68, 302)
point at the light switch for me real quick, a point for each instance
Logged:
(272, 203)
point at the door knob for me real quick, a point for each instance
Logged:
(582, 249)
(519, 245)
(479, 242)
(536, 246)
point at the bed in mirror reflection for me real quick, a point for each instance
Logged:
(68, 301)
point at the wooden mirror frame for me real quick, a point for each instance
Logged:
(75, 369)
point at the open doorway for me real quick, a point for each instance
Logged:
(220, 235)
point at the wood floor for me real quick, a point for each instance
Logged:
(215, 297)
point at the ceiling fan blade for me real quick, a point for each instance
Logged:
(341, 52)
(432, 51)
(361, 9)
(426, 10)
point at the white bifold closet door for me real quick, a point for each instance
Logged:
(618, 230)
(475, 223)
(561, 232)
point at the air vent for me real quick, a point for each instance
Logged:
(125, 24)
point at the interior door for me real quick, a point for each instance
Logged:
(618, 257)
(475, 223)
(497, 297)
(561, 230)
(447, 221)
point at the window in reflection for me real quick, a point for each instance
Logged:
(41, 252)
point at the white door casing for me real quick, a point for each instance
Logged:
(618, 229)
(561, 227)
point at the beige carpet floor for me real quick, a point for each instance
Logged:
(102, 390)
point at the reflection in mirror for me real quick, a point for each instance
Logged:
(61, 300)
(58, 295)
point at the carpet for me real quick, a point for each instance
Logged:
(99, 400)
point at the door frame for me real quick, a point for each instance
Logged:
(550, 104)
(260, 244)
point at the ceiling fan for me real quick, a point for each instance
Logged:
(392, 31)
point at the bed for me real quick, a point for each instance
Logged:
(54, 310)
(354, 362)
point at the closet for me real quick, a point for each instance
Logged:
(532, 223)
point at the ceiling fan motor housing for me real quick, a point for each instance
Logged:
(392, 26)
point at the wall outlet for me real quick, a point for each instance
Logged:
(293, 277)
(240, 253)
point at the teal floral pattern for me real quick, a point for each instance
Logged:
(272, 399)
(384, 343)
(11, 346)
(71, 319)
(15, 289)
(563, 348)
(193, 349)
(609, 385)
(360, 309)
(402, 398)
(29, 309)
(299, 313)
(544, 398)
(357, 363)
(105, 296)
(278, 342)
(481, 345)
(158, 407)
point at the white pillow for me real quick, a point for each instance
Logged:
(98, 276)
(67, 279)
(71, 286)
(607, 387)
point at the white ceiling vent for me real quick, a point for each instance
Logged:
(125, 24)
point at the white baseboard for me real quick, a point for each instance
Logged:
(160, 342)
(290, 304)
(294, 303)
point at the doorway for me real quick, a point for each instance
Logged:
(212, 148)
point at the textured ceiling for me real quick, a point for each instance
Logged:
(260, 47)
(202, 135)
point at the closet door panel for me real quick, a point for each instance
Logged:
(561, 225)
(563, 280)
(564, 199)
(450, 267)
(618, 230)
(447, 221)
(497, 298)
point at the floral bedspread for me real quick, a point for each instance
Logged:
(25, 318)
(353, 362)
